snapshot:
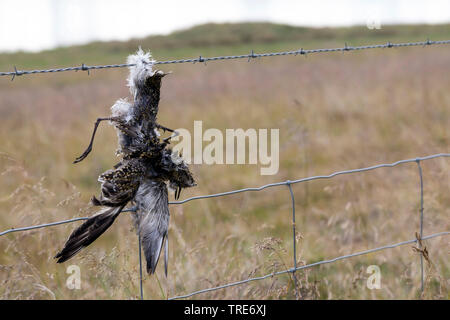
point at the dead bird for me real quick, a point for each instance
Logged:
(136, 122)
(141, 177)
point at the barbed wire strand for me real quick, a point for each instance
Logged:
(288, 183)
(250, 56)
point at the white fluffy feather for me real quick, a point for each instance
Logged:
(122, 109)
(143, 68)
(176, 158)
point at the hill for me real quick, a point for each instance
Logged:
(224, 38)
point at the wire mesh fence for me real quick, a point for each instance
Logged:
(289, 183)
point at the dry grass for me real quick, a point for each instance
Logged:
(335, 111)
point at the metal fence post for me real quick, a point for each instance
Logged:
(140, 267)
(288, 183)
(421, 227)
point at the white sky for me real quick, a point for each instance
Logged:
(34, 25)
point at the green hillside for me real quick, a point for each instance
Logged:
(209, 39)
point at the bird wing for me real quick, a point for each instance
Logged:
(120, 184)
(152, 220)
(118, 188)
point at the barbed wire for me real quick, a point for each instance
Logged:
(288, 183)
(249, 56)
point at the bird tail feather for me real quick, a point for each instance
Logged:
(153, 243)
(152, 221)
(88, 232)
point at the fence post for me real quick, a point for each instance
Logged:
(140, 267)
(421, 227)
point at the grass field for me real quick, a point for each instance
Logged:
(334, 111)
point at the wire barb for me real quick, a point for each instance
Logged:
(16, 73)
(85, 68)
(251, 56)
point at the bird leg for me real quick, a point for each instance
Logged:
(175, 133)
(177, 193)
(164, 128)
(89, 148)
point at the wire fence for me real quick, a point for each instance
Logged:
(251, 55)
(288, 183)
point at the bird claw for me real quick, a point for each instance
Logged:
(175, 134)
(83, 156)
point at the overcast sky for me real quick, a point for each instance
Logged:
(34, 25)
